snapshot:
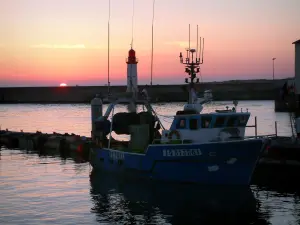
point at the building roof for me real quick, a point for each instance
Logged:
(297, 42)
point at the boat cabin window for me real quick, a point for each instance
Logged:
(181, 124)
(205, 121)
(193, 124)
(232, 121)
(220, 121)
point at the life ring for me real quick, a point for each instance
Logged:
(178, 137)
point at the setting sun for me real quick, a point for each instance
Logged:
(63, 85)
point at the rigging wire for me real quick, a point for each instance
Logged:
(152, 43)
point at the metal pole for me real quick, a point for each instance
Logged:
(273, 68)
(255, 122)
(152, 44)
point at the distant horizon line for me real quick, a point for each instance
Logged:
(118, 85)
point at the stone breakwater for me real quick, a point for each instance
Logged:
(229, 90)
(67, 145)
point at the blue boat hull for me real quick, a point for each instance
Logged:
(229, 163)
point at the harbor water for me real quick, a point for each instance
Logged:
(47, 189)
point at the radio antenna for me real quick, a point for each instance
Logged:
(189, 40)
(197, 45)
(202, 50)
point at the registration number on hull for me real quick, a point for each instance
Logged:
(116, 155)
(181, 152)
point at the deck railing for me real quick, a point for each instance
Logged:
(259, 136)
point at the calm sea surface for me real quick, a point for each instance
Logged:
(37, 189)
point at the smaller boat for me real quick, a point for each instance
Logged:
(207, 148)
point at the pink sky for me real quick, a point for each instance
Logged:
(46, 43)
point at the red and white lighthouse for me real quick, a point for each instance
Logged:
(132, 82)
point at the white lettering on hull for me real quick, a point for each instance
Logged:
(181, 152)
(116, 155)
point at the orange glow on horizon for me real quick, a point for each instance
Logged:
(50, 42)
(63, 85)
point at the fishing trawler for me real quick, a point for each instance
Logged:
(208, 148)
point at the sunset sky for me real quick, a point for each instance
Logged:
(48, 42)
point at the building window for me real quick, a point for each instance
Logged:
(205, 121)
(220, 120)
(193, 124)
(181, 124)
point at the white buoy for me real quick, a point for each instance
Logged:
(96, 111)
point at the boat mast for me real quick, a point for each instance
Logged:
(192, 65)
(152, 43)
(108, 28)
(132, 27)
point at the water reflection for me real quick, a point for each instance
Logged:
(63, 156)
(280, 180)
(126, 202)
(47, 188)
